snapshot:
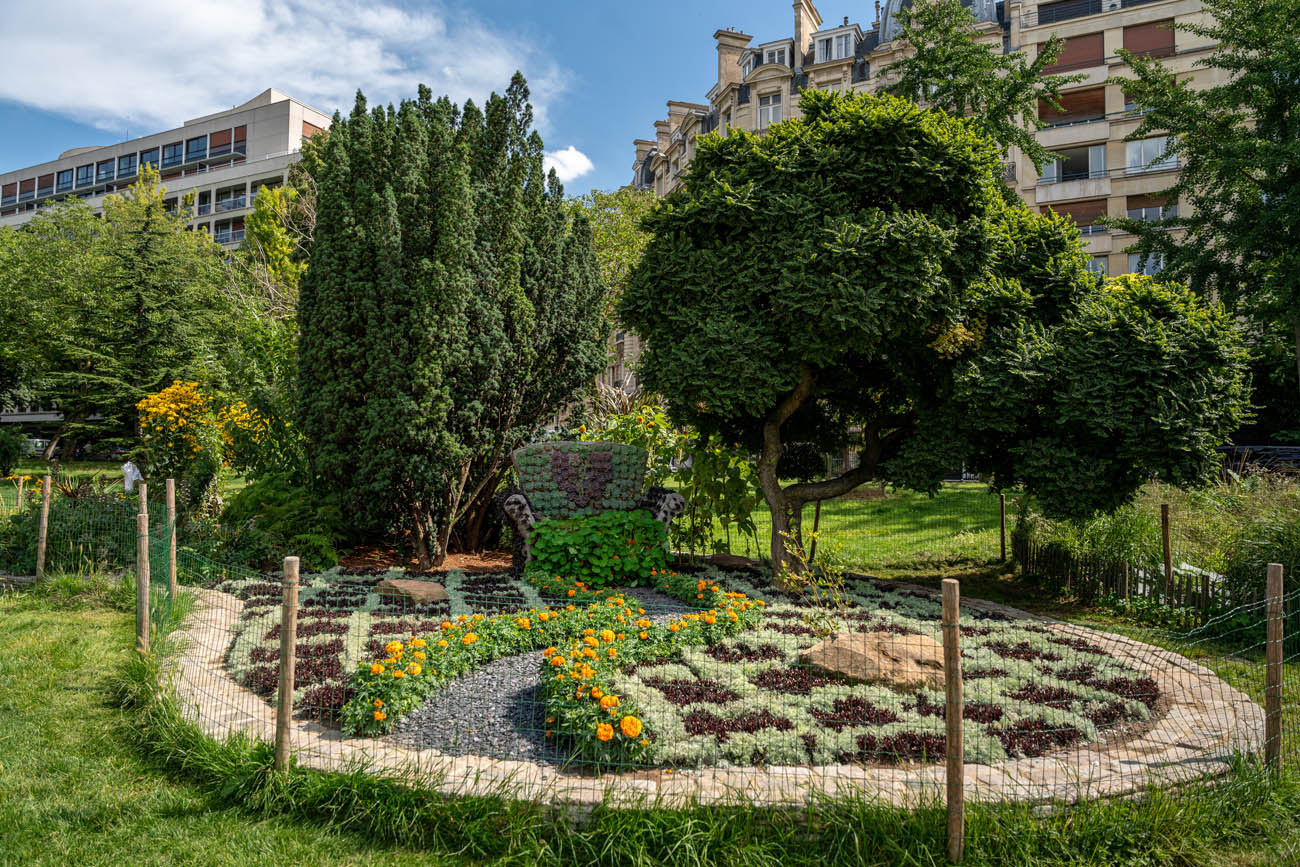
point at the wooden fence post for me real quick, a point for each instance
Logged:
(142, 583)
(1168, 551)
(953, 709)
(1273, 672)
(171, 538)
(144, 498)
(43, 534)
(288, 654)
(18, 503)
(1002, 523)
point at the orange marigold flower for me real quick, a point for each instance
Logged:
(573, 592)
(673, 627)
(609, 701)
(604, 731)
(548, 652)
(414, 668)
(613, 653)
(398, 673)
(442, 644)
(418, 642)
(597, 692)
(644, 635)
(710, 619)
(589, 653)
(630, 726)
(379, 702)
(380, 716)
(607, 635)
(523, 623)
(469, 638)
(591, 641)
(558, 661)
(376, 669)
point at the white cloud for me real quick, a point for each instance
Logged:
(145, 66)
(568, 163)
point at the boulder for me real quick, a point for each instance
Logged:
(902, 661)
(418, 592)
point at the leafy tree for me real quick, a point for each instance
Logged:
(857, 278)
(951, 70)
(115, 308)
(617, 236)
(1238, 141)
(449, 308)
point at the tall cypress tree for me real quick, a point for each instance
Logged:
(437, 236)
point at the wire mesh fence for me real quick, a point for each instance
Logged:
(706, 684)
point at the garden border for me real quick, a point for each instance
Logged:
(1207, 723)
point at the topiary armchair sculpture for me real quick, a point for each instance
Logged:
(578, 479)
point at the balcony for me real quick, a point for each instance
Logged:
(228, 236)
(1153, 214)
(204, 209)
(233, 203)
(1054, 13)
(1080, 188)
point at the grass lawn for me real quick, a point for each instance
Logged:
(74, 790)
(901, 527)
(74, 787)
(109, 471)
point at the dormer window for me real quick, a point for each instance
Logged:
(775, 55)
(834, 47)
(747, 67)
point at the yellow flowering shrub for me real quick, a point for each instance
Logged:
(181, 436)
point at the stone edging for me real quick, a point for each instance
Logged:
(1206, 724)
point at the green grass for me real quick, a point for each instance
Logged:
(73, 786)
(960, 523)
(96, 767)
(111, 471)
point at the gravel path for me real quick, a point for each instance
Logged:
(496, 710)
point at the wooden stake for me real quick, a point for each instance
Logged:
(1273, 673)
(144, 498)
(288, 654)
(171, 538)
(1168, 551)
(142, 583)
(18, 503)
(43, 534)
(956, 770)
(1002, 523)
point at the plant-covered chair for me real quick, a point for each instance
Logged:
(578, 479)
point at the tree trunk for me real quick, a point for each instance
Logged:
(778, 504)
(48, 454)
(420, 535)
(1297, 352)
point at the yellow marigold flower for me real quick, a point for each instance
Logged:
(643, 623)
(376, 669)
(469, 638)
(710, 619)
(413, 668)
(591, 641)
(398, 673)
(644, 635)
(380, 716)
(607, 635)
(442, 644)
(523, 623)
(604, 731)
(589, 653)
(419, 642)
(612, 653)
(568, 608)
(419, 654)
(446, 625)
(597, 692)
(609, 701)
(630, 726)
(589, 632)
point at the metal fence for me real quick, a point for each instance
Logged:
(710, 685)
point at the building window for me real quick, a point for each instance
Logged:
(169, 205)
(85, 175)
(1075, 164)
(775, 55)
(769, 110)
(63, 182)
(1097, 265)
(205, 203)
(1078, 52)
(1151, 267)
(1150, 209)
(1077, 106)
(1153, 39)
(173, 154)
(747, 67)
(149, 158)
(196, 148)
(126, 166)
(825, 49)
(843, 45)
(1148, 155)
(104, 171)
(1085, 214)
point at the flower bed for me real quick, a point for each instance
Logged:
(721, 685)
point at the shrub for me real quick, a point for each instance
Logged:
(272, 518)
(610, 548)
(12, 447)
(182, 439)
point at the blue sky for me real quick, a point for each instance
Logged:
(81, 73)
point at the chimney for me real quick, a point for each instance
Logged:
(730, 44)
(806, 22)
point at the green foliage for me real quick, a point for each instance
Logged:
(951, 69)
(271, 518)
(13, 447)
(856, 279)
(450, 307)
(1237, 142)
(720, 487)
(603, 550)
(646, 426)
(108, 310)
(617, 237)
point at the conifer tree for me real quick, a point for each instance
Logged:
(449, 308)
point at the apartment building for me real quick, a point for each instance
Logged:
(222, 158)
(1097, 172)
